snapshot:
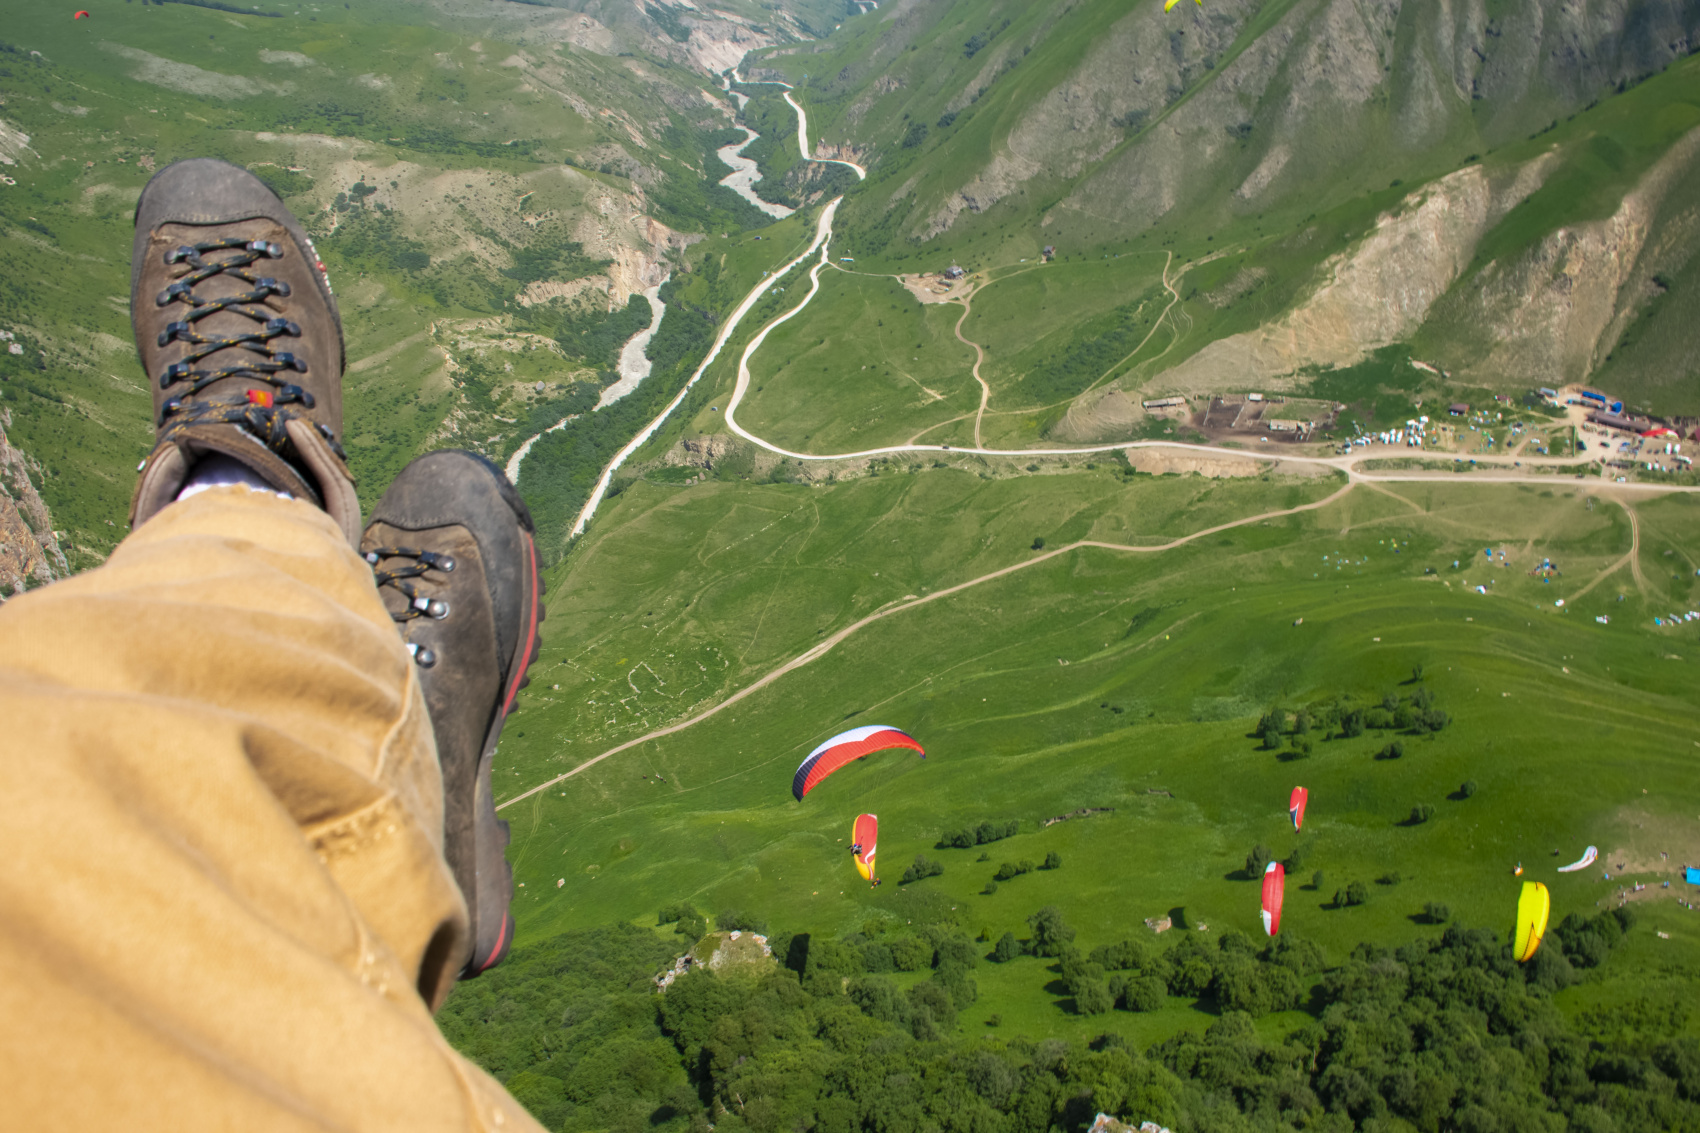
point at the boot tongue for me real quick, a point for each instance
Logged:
(263, 325)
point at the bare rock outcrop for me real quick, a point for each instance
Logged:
(29, 549)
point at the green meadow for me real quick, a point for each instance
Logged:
(1122, 682)
(866, 365)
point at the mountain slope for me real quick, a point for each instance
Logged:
(487, 209)
(1322, 148)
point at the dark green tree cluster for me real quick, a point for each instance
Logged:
(564, 465)
(1439, 1034)
(1347, 718)
(923, 867)
(979, 834)
(1009, 870)
(687, 922)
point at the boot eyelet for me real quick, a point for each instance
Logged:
(438, 609)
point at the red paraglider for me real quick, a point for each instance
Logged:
(1296, 806)
(845, 748)
(80, 15)
(864, 843)
(1274, 885)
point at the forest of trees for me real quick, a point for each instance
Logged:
(1445, 1032)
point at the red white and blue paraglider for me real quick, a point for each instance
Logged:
(1296, 806)
(846, 747)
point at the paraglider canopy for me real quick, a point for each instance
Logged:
(1274, 886)
(79, 16)
(1587, 859)
(1296, 806)
(1533, 907)
(844, 748)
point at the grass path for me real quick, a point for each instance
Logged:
(1632, 558)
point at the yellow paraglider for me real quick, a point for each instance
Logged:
(1168, 5)
(1533, 908)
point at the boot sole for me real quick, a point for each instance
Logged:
(494, 882)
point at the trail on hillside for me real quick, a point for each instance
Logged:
(1632, 559)
(979, 357)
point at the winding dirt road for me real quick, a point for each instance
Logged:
(979, 357)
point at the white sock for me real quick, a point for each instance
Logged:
(219, 471)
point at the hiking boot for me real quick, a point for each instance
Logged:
(451, 547)
(239, 334)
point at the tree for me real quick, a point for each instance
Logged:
(1146, 993)
(1468, 789)
(1257, 860)
(1394, 750)
(1051, 934)
(1039, 543)
(1436, 913)
(1352, 723)
(1093, 998)
(1420, 814)
(1053, 860)
(1416, 673)
(923, 868)
(1357, 893)
(1301, 723)
(1006, 949)
(991, 887)
(1316, 880)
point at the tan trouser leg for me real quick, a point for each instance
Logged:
(221, 880)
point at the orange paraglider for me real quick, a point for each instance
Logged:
(80, 15)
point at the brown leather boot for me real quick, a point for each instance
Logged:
(239, 334)
(451, 547)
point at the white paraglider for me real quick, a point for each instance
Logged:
(1587, 860)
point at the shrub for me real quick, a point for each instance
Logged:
(922, 868)
(1420, 814)
(1316, 879)
(1146, 993)
(910, 954)
(736, 920)
(1468, 789)
(1006, 949)
(1093, 998)
(1053, 860)
(1394, 750)
(1357, 893)
(991, 887)
(1257, 860)
(1436, 913)
(1051, 934)
(1390, 878)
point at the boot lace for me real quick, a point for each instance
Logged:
(261, 411)
(399, 575)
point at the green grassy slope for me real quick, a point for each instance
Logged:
(869, 366)
(441, 172)
(687, 594)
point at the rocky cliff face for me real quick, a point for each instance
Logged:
(1552, 314)
(1378, 292)
(29, 549)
